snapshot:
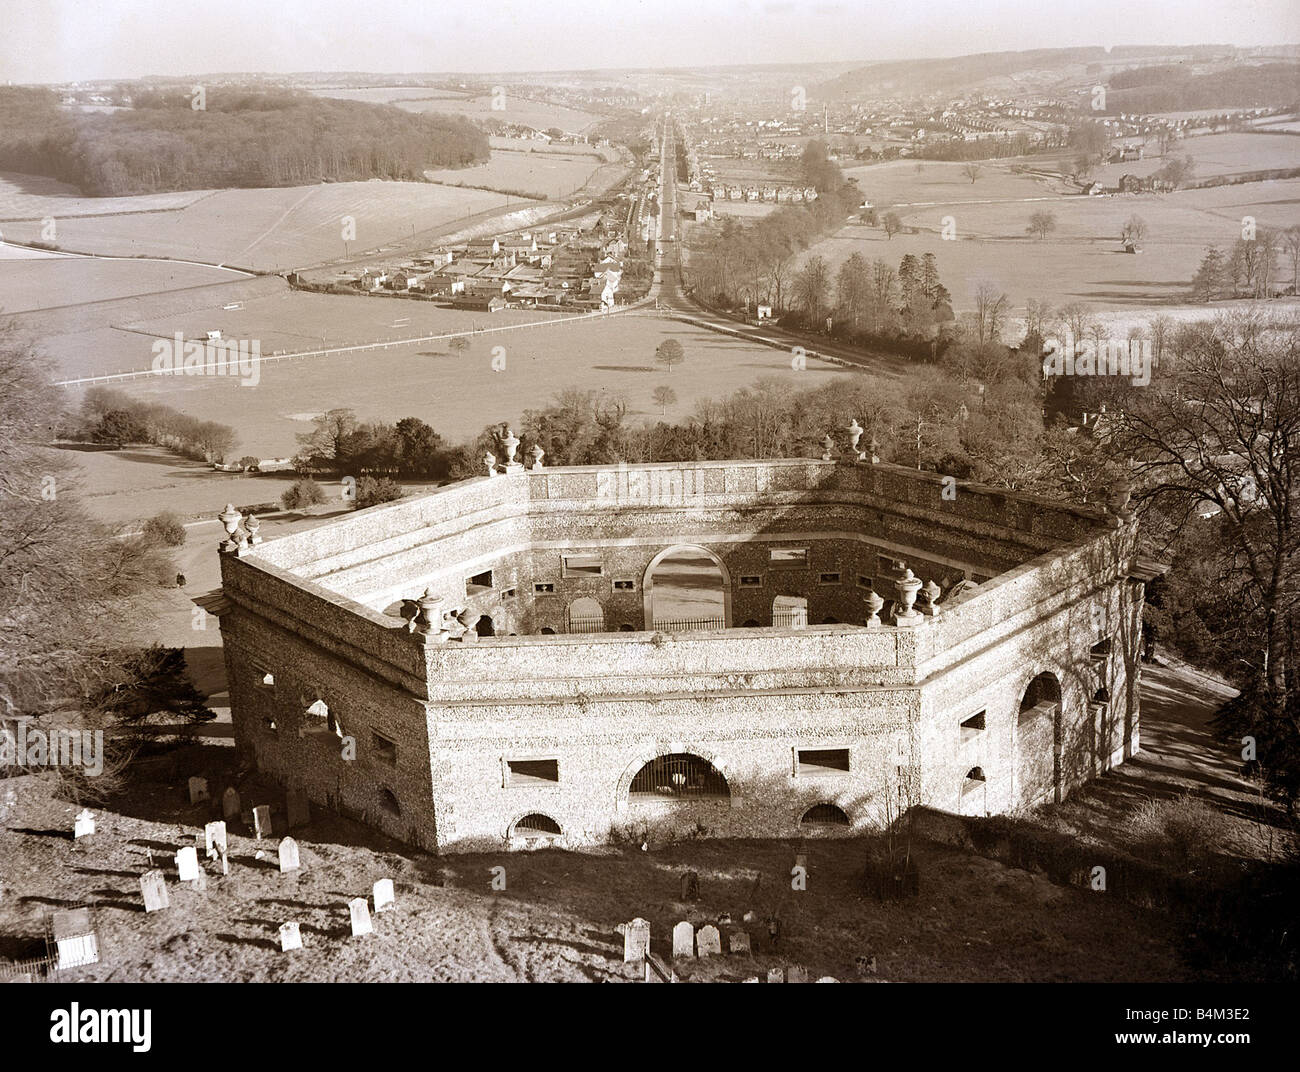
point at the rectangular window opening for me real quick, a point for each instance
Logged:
(828, 578)
(823, 760)
(974, 723)
(480, 580)
(751, 581)
(624, 586)
(865, 582)
(582, 565)
(532, 771)
(543, 589)
(788, 557)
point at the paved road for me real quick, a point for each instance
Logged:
(667, 290)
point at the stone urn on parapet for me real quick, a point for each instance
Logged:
(537, 454)
(511, 443)
(928, 604)
(875, 605)
(908, 586)
(427, 623)
(855, 434)
(235, 539)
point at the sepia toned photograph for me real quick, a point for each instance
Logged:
(725, 492)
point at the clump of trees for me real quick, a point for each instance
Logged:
(166, 529)
(1249, 269)
(301, 494)
(115, 418)
(240, 137)
(341, 443)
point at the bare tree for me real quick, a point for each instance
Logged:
(1041, 224)
(972, 170)
(1134, 229)
(664, 397)
(991, 306)
(891, 223)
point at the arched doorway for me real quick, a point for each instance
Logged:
(789, 612)
(485, 627)
(686, 587)
(1038, 733)
(584, 615)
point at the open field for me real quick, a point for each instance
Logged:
(44, 282)
(1082, 260)
(529, 145)
(744, 210)
(975, 919)
(546, 174)
(272, 229)
(1215, 154)
(390, 94)
(460, 395)
(540, 115)
(34, 197)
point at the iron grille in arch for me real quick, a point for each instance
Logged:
(679, 775)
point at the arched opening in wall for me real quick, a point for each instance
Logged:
(830, 620)
(678, 776)
(972, 800)
(1101, 696)
(485, 627)
(790, 612)
(1037, 734)
(388, 801)
(584, 615)
(536, 825)
(627, 627)
(974, 778)
(823, 817)
(547, 631)
(686, 588)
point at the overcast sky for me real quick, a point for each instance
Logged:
(65, 40)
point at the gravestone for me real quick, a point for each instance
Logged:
(84, 825)
(297, 807)
(684, 940)
(187, 863)
(636, 940)
(153, 888)
(796, 974)
(739, 941)
(801, 860)
(262, 821)
(225, 861)
(214, 838)
(289, 855)
(199, 790)
(384, 899)
(360, 917)
(707, 942)
(775, 975)
(690, 886)
(230, 806)
(753, 979)
(290, 937)
(828, 979)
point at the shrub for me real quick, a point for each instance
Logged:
(372, 492)
(1183, 832)
(165, 529)
(302, 494)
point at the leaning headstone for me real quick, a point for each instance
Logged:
(261, 821)
(297, 807)
(384, 895)
(153, 888)
(684, 940)
(214, 837)
(775, 975)
(796, 974)
(289, 855)
(690, 886)
(707, 942)
(187, 863)
(290, 937)
(230, 807)
(198, 790)
(360, 917)
(84, 825)
(739, 941)
(636, 940)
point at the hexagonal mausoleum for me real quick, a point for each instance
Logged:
(732, 649)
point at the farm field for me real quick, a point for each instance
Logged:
(34, 197)
(539, 174)
(1082, 260)
(283, 320)
(526, 145)
(272, 229)
(44, 282)
(1215, 154)
(540, 115)
(744, 210)
(460, 395)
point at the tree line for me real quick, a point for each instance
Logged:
(239, 138)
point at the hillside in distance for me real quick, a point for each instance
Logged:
(238, 139)
(992, 70)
